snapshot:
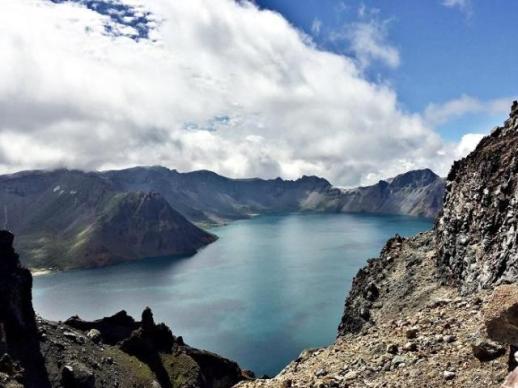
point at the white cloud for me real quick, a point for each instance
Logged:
(464, 6)
(220, 85)
(367, 39)
(467, 144)
(437, 114)
(316, 25)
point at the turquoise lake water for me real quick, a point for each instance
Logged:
(267, 289)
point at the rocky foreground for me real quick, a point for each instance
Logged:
(412, 331)
(441, 308)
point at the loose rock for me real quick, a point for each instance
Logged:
(486, 350)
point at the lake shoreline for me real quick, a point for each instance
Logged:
(246, 291)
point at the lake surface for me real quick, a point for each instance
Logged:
(267, 289)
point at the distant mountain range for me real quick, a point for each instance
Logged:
(67, 219)
(416, 193)
(206, 197)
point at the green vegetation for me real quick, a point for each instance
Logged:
(137, 374)
(182, 369)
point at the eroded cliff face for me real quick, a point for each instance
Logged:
(475, 240)
(476, 232)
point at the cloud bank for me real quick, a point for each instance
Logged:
(215, 84)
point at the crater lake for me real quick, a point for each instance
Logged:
(268, 288)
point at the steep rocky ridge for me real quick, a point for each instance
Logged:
(477, 230)
(66, 219)
(115, 351)
(418, 315)
(19, 336)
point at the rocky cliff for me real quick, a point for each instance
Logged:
(115, 351)
(21, 362)
(431, 310)
(477, 230)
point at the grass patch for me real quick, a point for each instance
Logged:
(136, 373)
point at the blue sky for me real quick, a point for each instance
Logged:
(469, 48)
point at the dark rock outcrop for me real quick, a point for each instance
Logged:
(364, 291)
(401, 278)
(77, 376)
(19, 337)
(113, 329)
(165, 354)
(501, 315)
(477, 231)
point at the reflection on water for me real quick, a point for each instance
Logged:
(267, 289)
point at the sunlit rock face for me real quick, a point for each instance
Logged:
(477, 230)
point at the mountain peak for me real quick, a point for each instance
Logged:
(415, 177)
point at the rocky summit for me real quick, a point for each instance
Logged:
(115, 351)
(477, 229)
(441, 308)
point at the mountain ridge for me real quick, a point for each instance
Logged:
(67, 218)
(416, 193)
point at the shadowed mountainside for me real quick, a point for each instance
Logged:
(68, 219)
